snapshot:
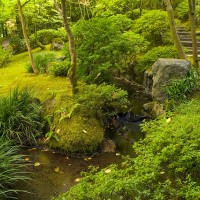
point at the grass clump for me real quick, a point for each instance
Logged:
(41, 59)
(10, 169)
(20, 118)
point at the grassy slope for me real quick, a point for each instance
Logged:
(14, 74)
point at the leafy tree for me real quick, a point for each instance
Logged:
(105, 45)
(153, 25)
(21, 14)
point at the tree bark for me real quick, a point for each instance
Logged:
(72, 50)
(21, 16)
(191, 4)
(175, 36)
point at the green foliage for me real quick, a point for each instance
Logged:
(17, 44)
(41, 60)
(59, 68)
(46, 36)
(178, 89)
(153, 25)
(4, 56)
(20, 118)
(181, 10)
(10, 169)
(167, 165)
(147, 60)
(101, 101)
(105, 45)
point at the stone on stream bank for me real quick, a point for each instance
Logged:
(163, 71)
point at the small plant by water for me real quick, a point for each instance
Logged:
(20, 118)
(10, 169)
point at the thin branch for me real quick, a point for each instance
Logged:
(25, 3)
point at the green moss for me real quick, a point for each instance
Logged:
(78, 134)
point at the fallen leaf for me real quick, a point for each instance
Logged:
(169, 120)
(57, 169)
(107, 171)
(37, 164)
(27, 159)
(84, 131)
(32, 149)
(117, 154)
(77, 180)
(162, 172)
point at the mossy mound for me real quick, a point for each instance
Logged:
(78, 135)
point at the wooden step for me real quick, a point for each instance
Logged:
(183, 33)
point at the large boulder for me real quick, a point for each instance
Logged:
(164, 70)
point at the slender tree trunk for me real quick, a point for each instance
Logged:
(175, 36)
(72, 50)
(193, 31)
(21, 16)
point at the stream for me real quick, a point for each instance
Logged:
(53, 173)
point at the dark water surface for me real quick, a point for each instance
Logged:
(56, 173)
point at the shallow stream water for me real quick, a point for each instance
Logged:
(54, 173)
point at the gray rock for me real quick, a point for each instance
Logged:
(164, 70)
(108, 146)
(57, 45)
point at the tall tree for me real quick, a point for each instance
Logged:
(192, 4)
(72, 50)
(21, 16)
(175, 36)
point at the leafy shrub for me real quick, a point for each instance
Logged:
(41, 61)
(153, 25)
(178, 89)
(20, 118)
(104, 45)
(46, 36)
(4, 56)
(147, 60)
(18, 44)
(167, 165)
(59, 68)
(10, 169)
(181, 10)
(101, 101)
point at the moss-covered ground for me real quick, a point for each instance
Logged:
(55, 94)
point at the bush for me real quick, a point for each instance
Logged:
(147, 60)
(46, 36)
(4, 56)
(59, 68)
(10, 169)
(41, 61)
(101, 101)
(154, 26)
(20, 118)
(167, 165)
(105, 45)
(18, 45)
(181, 10)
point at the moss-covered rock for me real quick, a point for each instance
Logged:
(78, 134)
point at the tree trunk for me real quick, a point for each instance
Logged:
(72, 50)
(175, 36)
(193, 31)
(21, 16)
